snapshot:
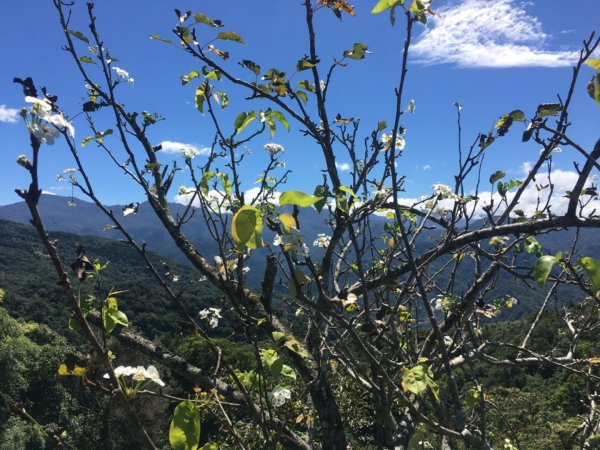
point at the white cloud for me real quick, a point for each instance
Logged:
(484, 33)
(177, 147)
(344, 167)
(8, 115)
(427, 167)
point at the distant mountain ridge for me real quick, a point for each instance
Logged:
(86, 219)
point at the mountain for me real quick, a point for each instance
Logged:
(32, 292)
(86, 219)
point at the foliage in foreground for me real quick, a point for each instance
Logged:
(378, 321)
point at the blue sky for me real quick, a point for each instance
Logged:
(491, 56)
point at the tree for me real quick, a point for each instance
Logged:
(389, 322)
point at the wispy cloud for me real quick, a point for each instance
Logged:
(177, 148)
(484, 33)
(343, 167)
(427, 167)
(8, 115)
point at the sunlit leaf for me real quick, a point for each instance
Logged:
(185, 79)
(86, 59)
(281, 118)
(201, 18)
(304, 64)
(111, 317)
(243, 120)
(543, 267)
(200, 97)
(297, 198)
(592, 268)
(184, 432)
(548, 109)
(246, 227)
(79, 35)
(287, 220)
(382, 5)
(230, 36)
(156, 37)
(358, 51)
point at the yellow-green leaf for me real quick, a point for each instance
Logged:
(298, 198)
(246, 227)
(382, 5)
(230, 36)
(184, 432)
(592, 268)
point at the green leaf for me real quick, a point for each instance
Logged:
(297, 198)
(287, 220)
(111, 317)
(472, 398)
(528, 132)
(548, 109)
(230, 36)
(592, 268)
(206, 177)
(542, 269)
(273, 361)
(418, 379)
(498, 175)
(201, 18)
(382, 5)
(86, 141)
(358, 51)
(278, 336)
(210, 446)
(304, 64)
(381, 125)
(87, 60)
(302, 96)
(321, 191)
(79, 35)
(506, 120)
(251, 65)
(307, 85)
(594, 64)
(223, 99)
(281, 118)
(247, 227)
(185, 79)
(200, 97)
(348, 191)
(243, 120)
(226, 183)
(156, 37)
(288, 372)
(184, 432)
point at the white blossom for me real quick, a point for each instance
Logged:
(139, 373)
(279, 396)
(123, 75)
(443, 191)
(322, 85)
(189, 153)
(322, 240)
(400, 141)
(293, 240)
(44, 132)
(273, 149)
(212, 315)
(411, 106)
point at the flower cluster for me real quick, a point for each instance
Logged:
(443, 191)
(273, 149)
(411, 106)
(279, 396)
(400, 141)
(189, 153)
(292, 241)
(212, 315)
(322, 240)
(44, 125)
(123, 75)
(134, 379)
